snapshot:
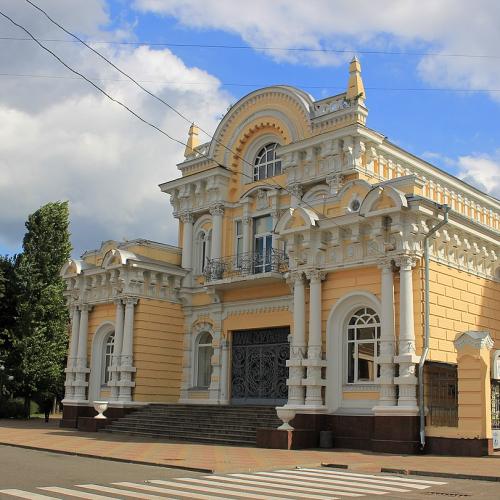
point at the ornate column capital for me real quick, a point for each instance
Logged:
(296, 189)
(315, 275)
(246, 219)
(296, 277)
(406, 262)
(130, 301)
(186, 217)
(85, 307)
(385, 264)
(217, 209)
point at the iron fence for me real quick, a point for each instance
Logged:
(245, 264)
(495, 404)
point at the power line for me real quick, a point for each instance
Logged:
(281, 49)
(94, 84)
(274, 186)
(155, 97)
(251, 85)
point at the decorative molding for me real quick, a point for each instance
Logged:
(475, 339)
(258, 306)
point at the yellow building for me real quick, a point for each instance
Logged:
(322, 270)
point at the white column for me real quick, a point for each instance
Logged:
(217, 212)
(216, 361)
(81, 358)
(117, 349)
(247, 234)
(407, 381)
(126, 358)
(224, 375)
(72, 354)
(298, 344)
(187, 240)
(314, 381)
(387, 337)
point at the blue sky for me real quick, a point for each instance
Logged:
(457, 131)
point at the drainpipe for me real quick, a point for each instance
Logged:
(425, 352)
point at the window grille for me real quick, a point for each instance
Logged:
(363, 346)
(266, 164)
(442, 394)
(108, 355)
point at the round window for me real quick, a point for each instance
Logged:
(355, 204)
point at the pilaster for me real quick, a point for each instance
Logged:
(217, 213)
(407, 359)
(81, 370)
(387, 398)
(298, 343)
(126, 358)
(314, 362)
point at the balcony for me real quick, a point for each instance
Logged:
(246, 266)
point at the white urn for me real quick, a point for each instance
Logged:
(100, 407)
(285, 415)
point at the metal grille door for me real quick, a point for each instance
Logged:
(259, 369)
(495, 404)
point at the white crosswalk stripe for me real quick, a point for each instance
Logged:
(26, 494)
(307, 482)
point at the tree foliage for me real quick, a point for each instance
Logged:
(40, 336)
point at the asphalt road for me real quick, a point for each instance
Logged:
(30, 473)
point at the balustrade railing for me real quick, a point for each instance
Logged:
(246, 264)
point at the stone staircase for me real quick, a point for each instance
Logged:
(236, 425)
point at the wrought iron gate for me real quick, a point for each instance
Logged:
(259, 369)
(495, 404)
(495, 412)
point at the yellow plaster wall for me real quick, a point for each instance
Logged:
(339, 283)
(257, 292)
(98, 315)
(474, 393)
(460, 302)
(260, 320)
(170, 256)
(361, 396)
(158, 350)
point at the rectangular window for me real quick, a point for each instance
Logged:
(239, 242)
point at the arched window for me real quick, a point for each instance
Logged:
(204, 351)
(363, 346)
(107, 354)
(266, 164)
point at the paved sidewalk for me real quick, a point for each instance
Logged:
(38, 434)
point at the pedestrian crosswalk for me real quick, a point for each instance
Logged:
(300, 483)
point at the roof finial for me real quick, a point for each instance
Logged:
(193, 140)
(355, 87)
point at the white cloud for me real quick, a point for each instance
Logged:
(445, 27)
(60, 139)
(482, 171)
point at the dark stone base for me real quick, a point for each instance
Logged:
(459, 447)
(297, 439)
(73, 414)
(91, 424)
(394, 434)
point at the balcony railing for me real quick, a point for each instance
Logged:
(245, 264)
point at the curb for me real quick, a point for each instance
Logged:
(111, 459)
(412, 472)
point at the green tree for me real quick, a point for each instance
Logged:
(8, 314)
(40, 340)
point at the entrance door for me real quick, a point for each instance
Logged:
(259, 369)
